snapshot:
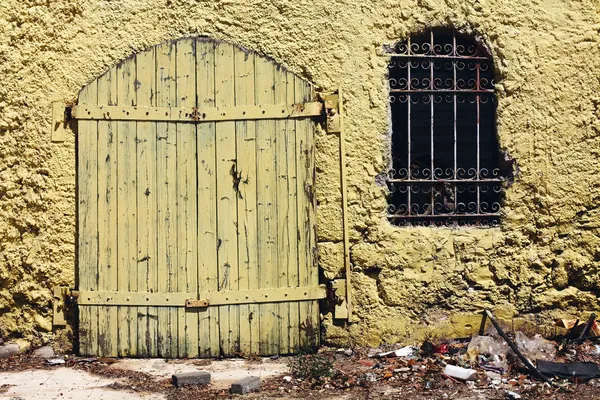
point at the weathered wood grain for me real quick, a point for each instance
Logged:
(209, 334)
(166, 169)
(87, 171)
(107, 216)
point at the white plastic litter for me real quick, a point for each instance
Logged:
(464, 374)
(405, 351)
(55, 361)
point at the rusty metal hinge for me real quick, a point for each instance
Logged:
(61, 117)
(63, 299)
(333, 123)
(338, 287)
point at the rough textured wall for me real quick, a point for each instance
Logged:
(544, 257)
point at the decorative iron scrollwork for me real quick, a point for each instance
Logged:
(445, 169)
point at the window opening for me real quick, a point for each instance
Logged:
(445, 156)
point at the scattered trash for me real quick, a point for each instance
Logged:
(428, 348)
(536, 348)
(464, 374)
(487, 314)
(494, 348)
(493, 375)
(576, 327)
(287, 378)
(371, 377)
(441, 349)
(366, 363)
(373, 353)
(405, 351)
(581, 370)
(347, 352)
(85, 360)
(512, 395)
(55, 361)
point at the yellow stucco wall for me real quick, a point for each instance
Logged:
(408, 282)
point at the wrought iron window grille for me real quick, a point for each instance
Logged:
(447, 169)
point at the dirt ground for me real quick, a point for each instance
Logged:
(329, 374)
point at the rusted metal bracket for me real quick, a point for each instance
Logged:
(61, 116)
(332, 110)
(191, 303)
(206, 299)
(62, 299)
(339, 296)
(333, 103)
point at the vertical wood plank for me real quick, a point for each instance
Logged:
(87, 182)
(147, 253)
(187, 275)
(166, 173)
(282, 310)
(246, 201)
(266, 204)
(127, 208)
(292, 268)
(302, 215)
(107, 216)
(313, 271)
(209, 334)
(226, 195)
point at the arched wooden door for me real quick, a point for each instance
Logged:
(196, 226)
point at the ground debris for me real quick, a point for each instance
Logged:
(421, 374)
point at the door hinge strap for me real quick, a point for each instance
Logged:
(193, 114)
(193, 300)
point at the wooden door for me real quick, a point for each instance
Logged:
(196, 225)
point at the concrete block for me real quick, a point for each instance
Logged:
(246, 385)
(195, 378)
(44, 352)
(9, 350)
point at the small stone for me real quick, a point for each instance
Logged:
(493, 375)
(246, 385)
(348, 352)
(374, 352)
(44, 352)
(512, 395)
(371, 377)
(287, 378)
(9, 350)
(191, 378)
